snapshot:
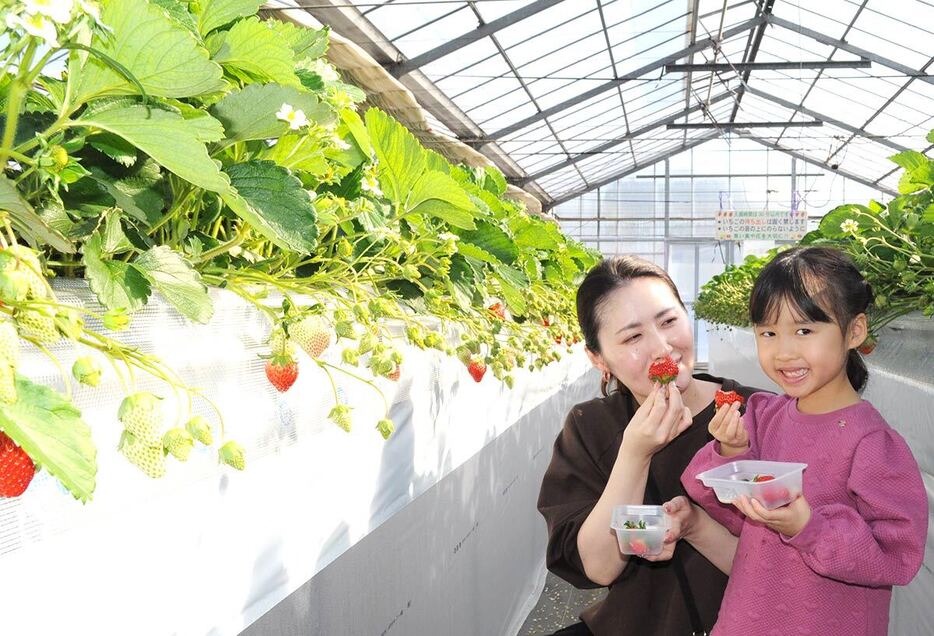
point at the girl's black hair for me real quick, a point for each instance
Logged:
(607, 276)
(820, 284)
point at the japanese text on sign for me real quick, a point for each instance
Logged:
(737, 225)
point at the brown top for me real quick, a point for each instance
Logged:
(646, 598)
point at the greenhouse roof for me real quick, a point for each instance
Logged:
(568, 95)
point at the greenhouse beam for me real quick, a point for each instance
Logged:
(829, 120)
(479, 33)
(602, 88)
(618, 140)
(816, 162)
(639, 166)
(767, 66)
(846, 46)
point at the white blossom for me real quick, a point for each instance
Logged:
(37, 25)
(849, 226)
(325, 71)
(57, 10)
(915, 259)
(295, 118)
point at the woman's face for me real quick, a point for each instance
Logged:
(640, 323)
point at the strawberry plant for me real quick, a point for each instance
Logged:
(891, 244)
(233, 155)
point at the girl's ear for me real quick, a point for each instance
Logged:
(597, 360)
(859, 329)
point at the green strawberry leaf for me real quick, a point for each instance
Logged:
(306, 44)
(115, 283)
(117, 148)
(51, 431)
(163, 56)
(493, 240)
(216, 13)
(136, 195)
(462, 282)
(438, 195)
(253, 47)
(27, 222)
(494, 182)
(167, 137)
(178, 11)
(402, 160)
(273, 201)
(173, 276)
(251, 113)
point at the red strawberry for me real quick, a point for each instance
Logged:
(498, 310)
(396, 374)
(869, 344)
(546, 322)
(281, 375)
(663, 371)
(638, 546)
(16, 469)
(476, 368)
(727, 397)
(775, 497)
(760, 478)
(558, 339)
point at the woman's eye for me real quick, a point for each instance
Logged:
(669, 321)
(631, 339)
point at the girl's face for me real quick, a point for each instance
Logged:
(640, 323)
(808, 359)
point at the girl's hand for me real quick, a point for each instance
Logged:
(788, 520)
(728, 429)
(660, 419)
(682, 515)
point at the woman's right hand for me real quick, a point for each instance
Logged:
(660, 419)
(728, 429)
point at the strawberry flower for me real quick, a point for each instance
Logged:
(57, 10)
(850, 226)
(36, 25)
(294, 118)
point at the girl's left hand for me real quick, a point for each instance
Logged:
(788, 520)
(681, 513)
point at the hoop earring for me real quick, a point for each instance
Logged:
(606, 377)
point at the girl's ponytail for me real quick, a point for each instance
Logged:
(856, 370)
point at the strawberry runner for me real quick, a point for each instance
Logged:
(866, 533)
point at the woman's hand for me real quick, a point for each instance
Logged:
(728, 429)
(788, 520)
(660, 419)
(682, 515)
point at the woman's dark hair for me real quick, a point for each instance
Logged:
(820, 284)
(607, 276)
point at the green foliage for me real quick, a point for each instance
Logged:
(192, 145)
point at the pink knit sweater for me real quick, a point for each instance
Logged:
(867, 530)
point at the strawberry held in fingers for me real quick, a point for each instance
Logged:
(727, 397)
(638, 546)
(663, 371)
(16, 468)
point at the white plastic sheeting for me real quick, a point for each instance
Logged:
(208, 550)
(901, 387)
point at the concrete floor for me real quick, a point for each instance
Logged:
(559, 606)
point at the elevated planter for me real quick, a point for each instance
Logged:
(901, 387)
(432, 531)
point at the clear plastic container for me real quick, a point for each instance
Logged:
(640, 530)
(773, 484)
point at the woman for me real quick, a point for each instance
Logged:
(630, 447)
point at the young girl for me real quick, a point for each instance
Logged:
(826, 562)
